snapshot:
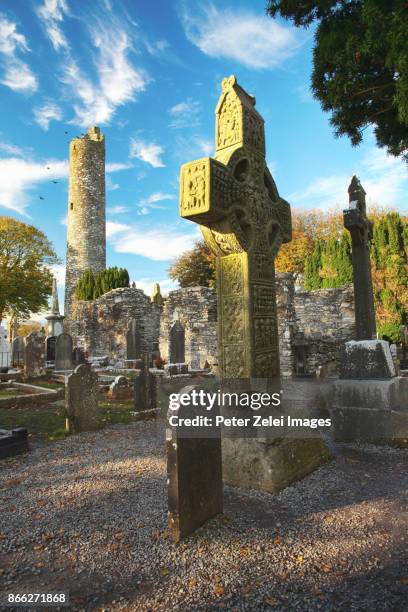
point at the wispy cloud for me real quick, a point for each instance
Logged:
(147, 284)
(11, 149)
(117, 210)
(148, 152)
(19, 176)
(185, 149)
(383, 177)
(113, 228)
(45, 114)
(118, 81)
(17, 75)
(255, 41)
(156, 243)
(117, 166)
(152, 202)
(52, 13)
(185, 114)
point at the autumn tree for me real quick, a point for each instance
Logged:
(26, 255)
(195, 267)
(360, 61)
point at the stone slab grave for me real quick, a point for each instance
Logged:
(34, 354)
(370, 400)
(194, 476)
(63, 353)
(81, 399)
(244, 221)
(145, 387)
(13, 442)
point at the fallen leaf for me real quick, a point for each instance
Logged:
(164, 571)
(278, 540)
(300, 559)
(12, 482)
(40, 503)
(114, 546)
(39, 564)
(327, 568)
(219, 590)
(244, 552)
(271, 601)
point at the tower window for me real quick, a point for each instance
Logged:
(71, 206)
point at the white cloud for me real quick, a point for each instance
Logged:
(19, 176)
(64, 220)
(47, 113)
(159, 196)
(17, 74)
(117, 83)
(147, 284)
(117, 166)
(58, 271)
(185, 114)
(157, 244)
(113, 228)
(147, 152)
(117, 210)
(205, 146)
(384, 178)
(10, 149)
(51, 13)
(255, 41)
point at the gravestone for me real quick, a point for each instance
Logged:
(134, 340)
(18, 352)
(194, 475)
(145, 387)
(50, 348)
(177, 343)
(34, 354)
(63, 353)
(81, 399)
(78, 355)
(244, 221)
(13, 442)
(5, 350)
(369, 404)
(360, 228)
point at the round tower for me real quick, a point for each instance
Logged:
(86, 238)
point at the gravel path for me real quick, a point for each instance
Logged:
(88, 515)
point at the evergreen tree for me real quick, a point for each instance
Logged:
(91, 287)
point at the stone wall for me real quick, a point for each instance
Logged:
(196, 309)
(313, 326)
(100, 326)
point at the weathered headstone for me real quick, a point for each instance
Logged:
(78, 355)
(5, 349)
(81, 399)
(177, 343)
(18, 352)
(63, 353)
(13, 442)
(244, 222)
(134, 340)
(194, 473)
(34, 354)
(145, 387)
(50, 348)
(360, 228)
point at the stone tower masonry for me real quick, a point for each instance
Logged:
(86, 240)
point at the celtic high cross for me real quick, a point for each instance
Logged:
(360, 228)
(244, 222)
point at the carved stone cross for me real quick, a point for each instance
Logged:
(360, 228)
(244, 222)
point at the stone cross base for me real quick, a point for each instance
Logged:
(270, 464)
(371, 411)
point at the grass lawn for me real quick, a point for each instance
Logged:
(48, 422)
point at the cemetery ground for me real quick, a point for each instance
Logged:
(87, 514)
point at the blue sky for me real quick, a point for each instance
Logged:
(149, 74)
